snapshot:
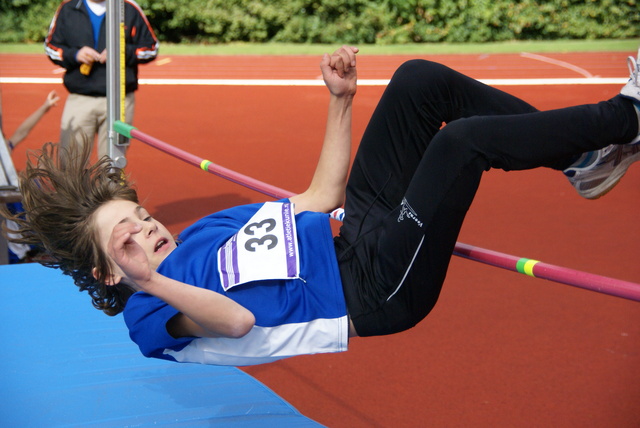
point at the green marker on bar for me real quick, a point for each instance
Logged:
(123, 128)
(526, 266)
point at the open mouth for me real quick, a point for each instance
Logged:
(161, 243)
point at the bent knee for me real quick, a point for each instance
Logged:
(420, 70)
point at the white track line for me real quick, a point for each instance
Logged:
(557, 62)
(318, 82)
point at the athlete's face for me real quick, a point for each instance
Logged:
(154, 239)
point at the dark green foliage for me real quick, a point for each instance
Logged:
(25, 20)
(356, 21)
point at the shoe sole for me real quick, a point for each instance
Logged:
(614, 178)
(611, 185)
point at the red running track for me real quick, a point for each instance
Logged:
(500, 349)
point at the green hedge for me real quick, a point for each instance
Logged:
(25, 20)
(356, 21)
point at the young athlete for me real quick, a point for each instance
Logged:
(257, 283)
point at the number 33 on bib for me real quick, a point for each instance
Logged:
(264, 248)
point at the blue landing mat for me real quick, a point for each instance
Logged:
(67, 364)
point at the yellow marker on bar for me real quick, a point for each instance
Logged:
(526, 266)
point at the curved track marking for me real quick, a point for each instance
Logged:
(557, 62)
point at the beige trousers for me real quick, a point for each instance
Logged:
(83, 117)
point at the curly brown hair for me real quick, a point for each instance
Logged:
(60, 193)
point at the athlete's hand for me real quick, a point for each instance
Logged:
(339, 71)
(128, 255)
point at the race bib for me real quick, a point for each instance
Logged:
(264, 248)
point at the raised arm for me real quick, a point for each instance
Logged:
(326, 190)
(31, 121)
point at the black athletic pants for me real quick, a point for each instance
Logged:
(413, 180)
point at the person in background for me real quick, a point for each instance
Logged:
(22, 252)
(77, 42)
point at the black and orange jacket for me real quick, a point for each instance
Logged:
(71, 29)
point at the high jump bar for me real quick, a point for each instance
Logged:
(533, 268)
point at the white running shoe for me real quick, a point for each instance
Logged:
(632, 88)
(597, 172)
(601, 170)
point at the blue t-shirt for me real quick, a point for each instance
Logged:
(96, 23)
(295, 316)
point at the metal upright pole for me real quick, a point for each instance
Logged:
(115, 80)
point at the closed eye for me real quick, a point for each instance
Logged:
(143, 214)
